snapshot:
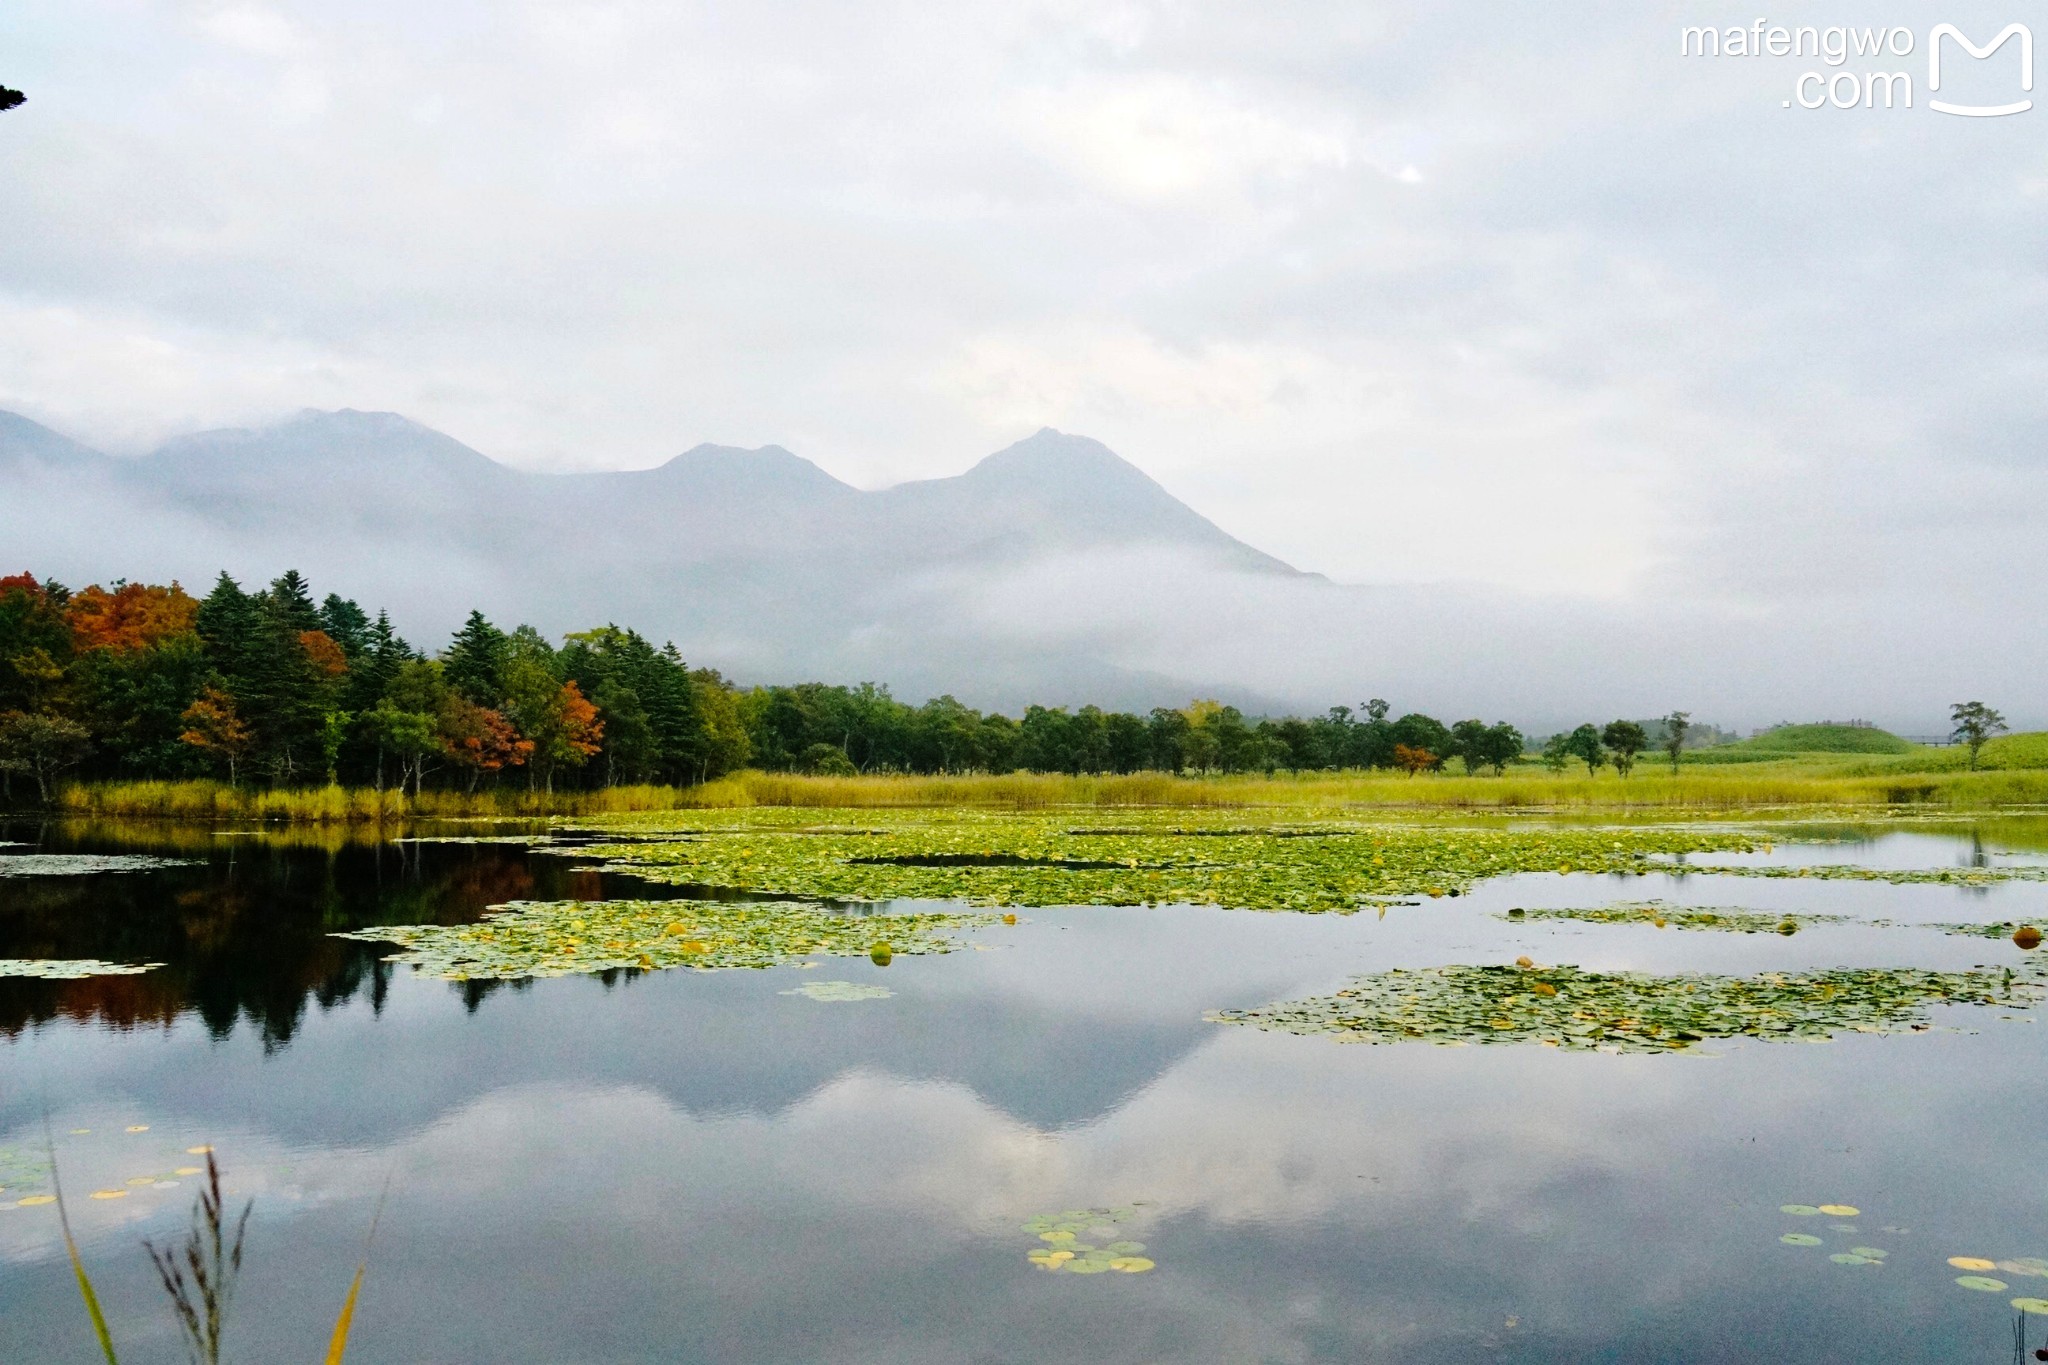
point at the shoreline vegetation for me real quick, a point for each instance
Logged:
(267, 705)
(1742, 787)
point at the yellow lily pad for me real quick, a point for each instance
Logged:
(1840, 1210)
(1972, 1263)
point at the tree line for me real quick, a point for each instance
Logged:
(145, 681)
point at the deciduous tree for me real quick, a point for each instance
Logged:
(1584, 745)
(41, 744)
(1675, 726)
(213, 727)
(1975, 724)
(1626, 739)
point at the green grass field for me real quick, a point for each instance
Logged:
(2015, 774)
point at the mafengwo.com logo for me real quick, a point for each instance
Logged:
(1854, 60)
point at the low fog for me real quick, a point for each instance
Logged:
(1051, 572)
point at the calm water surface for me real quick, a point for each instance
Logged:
(696, 1166)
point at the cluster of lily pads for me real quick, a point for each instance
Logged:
(24, 1177)
(560, 938)
(1895, 876)
(71, 969)
(84, 864)
(1717, 919)
(1854, 1255)
(1564, 1007)
(1164, 857)
(2031, 1266)
(1975, 1279)
(2024, 935)
(1085, 1242)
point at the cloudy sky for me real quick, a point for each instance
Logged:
(1401, 292)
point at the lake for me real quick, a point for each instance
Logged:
(723, 1166)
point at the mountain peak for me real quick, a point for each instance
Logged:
(346, 438)
(23, 439)
(1048, 455)
(762, 472)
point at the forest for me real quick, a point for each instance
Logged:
(143, 681)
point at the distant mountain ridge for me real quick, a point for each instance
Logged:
(755, 557)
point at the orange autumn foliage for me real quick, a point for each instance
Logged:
(581, 728)
(133, 616)
(480, 738)
(323, 653)
(1413, 759)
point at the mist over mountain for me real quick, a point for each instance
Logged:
(755, 561)
(1051, 571)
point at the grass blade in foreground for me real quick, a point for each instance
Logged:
(339, 1345)
(85, 1290)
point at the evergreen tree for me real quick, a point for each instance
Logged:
(347, 624)
(475, 661)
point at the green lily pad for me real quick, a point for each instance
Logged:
(1245, 859)
(2031, 1305)
(1087, 1267)
(1564, 1007)
(559, 938)
(1125, 1248)
(1798, 1210)
(1851, 1258)
(1800, 1239)
(840, 991)
(1982, 1283)
(71, 969)
(1870, 1253)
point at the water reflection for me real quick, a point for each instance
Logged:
(245, 934)
(695, 1166)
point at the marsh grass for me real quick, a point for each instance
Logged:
(344, 805)
(200, 1275)
(1838, 780)
(1785, 783)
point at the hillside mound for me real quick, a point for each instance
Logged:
(1823, 739)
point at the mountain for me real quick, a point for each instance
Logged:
(758, 561)
(25, 444)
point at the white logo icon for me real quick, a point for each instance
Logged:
(1980, 110)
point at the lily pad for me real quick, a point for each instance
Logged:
(85, 864)
(1851, 1258)
(2031, 1305)
(839, 991)
(71, 969)
(1630, 1011)
(2025, 1265)
(1840, 1210)
(1798, 1210)
(1800, 1239)
(1972, 1263)
(1871, 1253)
(1716, 919)
(1982, 1283)
(1250, 861)
(559, 938)
(1131, 1265)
